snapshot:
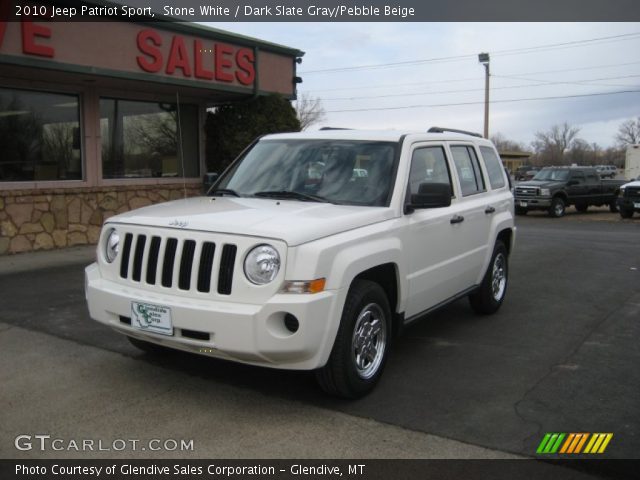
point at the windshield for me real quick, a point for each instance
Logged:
(336, 171)
(551, 174)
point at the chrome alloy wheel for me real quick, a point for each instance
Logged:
(499, 277)
(369, 340)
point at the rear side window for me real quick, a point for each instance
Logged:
(494, 167)
(468, 168)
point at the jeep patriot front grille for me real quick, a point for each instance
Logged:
(154, 260)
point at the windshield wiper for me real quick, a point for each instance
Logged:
(222, 191)
(292, 194)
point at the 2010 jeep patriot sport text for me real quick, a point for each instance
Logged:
(312, 250)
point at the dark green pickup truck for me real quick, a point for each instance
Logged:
(555, 188)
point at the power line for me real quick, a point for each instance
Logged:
(434, 82)
(455, 58)
(540, 83)
(482, 102)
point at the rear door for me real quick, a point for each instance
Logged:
(473, 216)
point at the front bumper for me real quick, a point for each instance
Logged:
(253, 334)
(533, 203)
(629, 203)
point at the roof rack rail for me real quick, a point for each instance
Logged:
(335, 128)
(453, 130)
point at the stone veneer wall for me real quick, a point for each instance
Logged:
(56, 218)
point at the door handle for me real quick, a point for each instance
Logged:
(457, 219)
(489, 210)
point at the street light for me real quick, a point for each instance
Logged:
(483, 58)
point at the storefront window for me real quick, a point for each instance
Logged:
(39, 136)
(140, 139)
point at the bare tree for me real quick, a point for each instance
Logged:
(628, 132)
(309, 110)
(503, 144)
(551, 145)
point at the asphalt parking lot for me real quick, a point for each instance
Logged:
(560, 356)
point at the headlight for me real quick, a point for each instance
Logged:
(262, 264)
(621, 192)
(112, 246)
(545, 192)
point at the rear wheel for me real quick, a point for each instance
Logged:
(360, 350)
(558, 207)
(613, 206)
(582, 207)
(488, 298)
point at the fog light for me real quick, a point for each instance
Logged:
(304, 286)
(291, 323)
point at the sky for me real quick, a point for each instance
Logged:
(593, 59)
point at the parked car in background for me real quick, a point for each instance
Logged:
(629, 199)
(526, 172)
(555, 188)
(607, 171)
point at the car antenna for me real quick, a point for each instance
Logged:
(184, 180)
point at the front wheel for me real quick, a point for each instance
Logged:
(490, 295)
(557, 208)
(362, 343)
(626, 212)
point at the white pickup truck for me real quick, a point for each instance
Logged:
(294, 261)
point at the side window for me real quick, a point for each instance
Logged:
(468, 168)
(494, 167)
(578, 177)
(428, 165)
(591, 178)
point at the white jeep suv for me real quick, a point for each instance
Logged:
(311, 251)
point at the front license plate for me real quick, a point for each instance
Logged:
(151, 318)
(636, 204)
(523, 204)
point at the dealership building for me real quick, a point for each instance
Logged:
(97, 118)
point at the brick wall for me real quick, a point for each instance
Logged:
(46, 219)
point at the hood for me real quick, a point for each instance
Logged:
(293, 221)
(633, 183)
(541, 183)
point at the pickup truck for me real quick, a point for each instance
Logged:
(629, 199)
(555, 188)
(311, 251)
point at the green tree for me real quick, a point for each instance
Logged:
(231, 128)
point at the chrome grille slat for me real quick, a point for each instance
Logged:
(196, 265)
(205, 269)
(153, 259)
(186, 264)
(138, 255)
(168, 261)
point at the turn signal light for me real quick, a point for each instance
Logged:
(304, 286)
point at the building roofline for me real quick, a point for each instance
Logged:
(177, 25)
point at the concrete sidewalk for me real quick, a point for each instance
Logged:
(76, 392)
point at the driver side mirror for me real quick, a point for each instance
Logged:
(208, 179)
(430, 195)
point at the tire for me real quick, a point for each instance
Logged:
(613, 207)
(488, 298)
(521, 211)
(582, 207)
(557, 208)
(626, 213)
(365, 326)
(148, 347)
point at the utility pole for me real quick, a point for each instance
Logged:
(483, 58)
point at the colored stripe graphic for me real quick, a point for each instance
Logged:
(574, 442)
